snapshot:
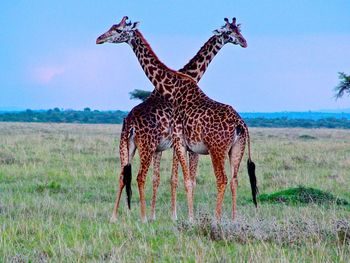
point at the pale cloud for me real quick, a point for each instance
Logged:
(99, 77)
(45, 74)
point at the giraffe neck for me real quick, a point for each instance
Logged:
(197, 66)
(165, 80)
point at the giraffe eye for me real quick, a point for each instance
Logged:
(119, 31)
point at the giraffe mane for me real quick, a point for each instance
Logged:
(161, 63)
(192, 60)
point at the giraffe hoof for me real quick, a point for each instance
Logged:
(174, 217)
(113, 219)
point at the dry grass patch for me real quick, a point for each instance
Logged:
(295, 231)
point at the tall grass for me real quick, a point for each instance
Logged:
(58, 183)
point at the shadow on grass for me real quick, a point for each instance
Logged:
(307, 137)
(52, 187)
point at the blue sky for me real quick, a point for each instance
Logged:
(295, 49)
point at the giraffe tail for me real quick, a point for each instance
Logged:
(127, 182)
(124, 157)
(251, 172)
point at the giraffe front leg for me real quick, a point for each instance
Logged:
(181, 155)
(193, 160)
(174, 182)
(155, 180)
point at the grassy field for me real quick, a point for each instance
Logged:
(58, 184)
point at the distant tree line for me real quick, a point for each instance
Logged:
(67, 116)
(94, 116)
(300, 123)
(116, 117)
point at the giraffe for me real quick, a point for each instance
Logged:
(152, 116)
(198, 123)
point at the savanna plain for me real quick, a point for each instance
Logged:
(58, 184)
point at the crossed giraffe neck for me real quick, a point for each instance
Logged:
(198, 65)
(165, 80)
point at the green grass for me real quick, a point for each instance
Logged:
(302, 195)
(58, 183)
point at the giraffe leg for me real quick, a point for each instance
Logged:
(127, 150)
(181, 155)
(156, 180)
(146, 159)
(218, 161)
(113, 218)
(193, 161)
(235, 157)
(174, 182)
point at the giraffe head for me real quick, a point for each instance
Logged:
(119, 33)
(231, 33)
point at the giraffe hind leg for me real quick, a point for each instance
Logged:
(174, 182)
(113, 218)
(124, 180)
(235, 157)
(127, 151)
(218, 161)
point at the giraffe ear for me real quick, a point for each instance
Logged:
(216, 32)
(135, 25)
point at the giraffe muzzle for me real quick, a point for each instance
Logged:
(100, 40)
